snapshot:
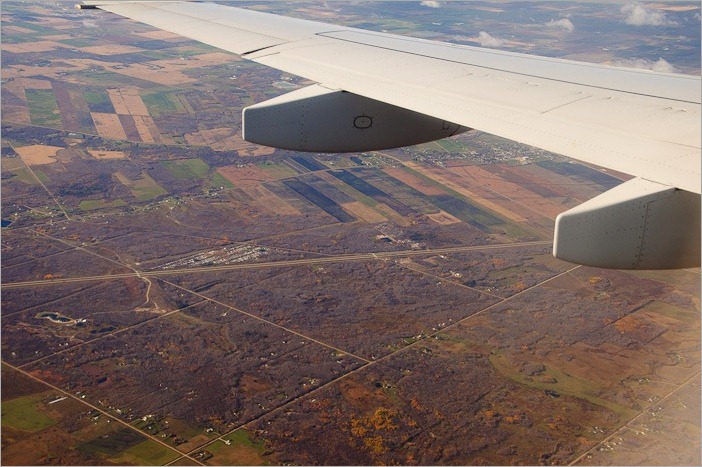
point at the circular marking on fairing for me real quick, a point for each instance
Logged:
(363, 122)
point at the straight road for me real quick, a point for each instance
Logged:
(270, 264)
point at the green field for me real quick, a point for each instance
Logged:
(195, 48)
(219, 181)
(242, 437)
(78, 43)
(106, 78)
(24, 413)
(34, 27)
(355, 194)
(452, 145)
(161, 102)
(43, 108)
(241, 450)
(41, 176)
(23, 175)
(187, 168)
(156, 55)
(95, 97)
(148, 452)
(17, 39)
(278, 170)
(144, 188)
(430, 146)
(148, 191)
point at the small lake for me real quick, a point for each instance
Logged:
(55, 317)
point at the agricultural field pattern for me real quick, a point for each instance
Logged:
(174, 295)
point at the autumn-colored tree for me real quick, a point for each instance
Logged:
(382, 419)
(375, 444)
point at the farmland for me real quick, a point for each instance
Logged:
(175, 295)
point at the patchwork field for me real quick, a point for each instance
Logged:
(173, 295)
(38, 154)
(142, 188)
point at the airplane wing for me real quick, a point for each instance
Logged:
(381, 90)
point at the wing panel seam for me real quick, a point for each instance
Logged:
(565, 104)
(592, 86)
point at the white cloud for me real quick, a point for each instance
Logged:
(639, 15)
(430, 4)
(645, 64)
(561, 24)
(486, 40)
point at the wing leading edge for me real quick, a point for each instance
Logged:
(638, 122)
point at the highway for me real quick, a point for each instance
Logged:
(270, 264)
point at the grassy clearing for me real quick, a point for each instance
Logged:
(241, 450)
(518, 232)
(452, 145)
(673, 311)
(242, 437)
(566, 385)
(338, 163)
(23, 175)
(672, 277)
(148, 190)
(43, 108)
(187, 169)
(112, 444)
(431, 146)
(41, 176)
(24, 413)
(148, 452)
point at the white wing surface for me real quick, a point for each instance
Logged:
(642, 123)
